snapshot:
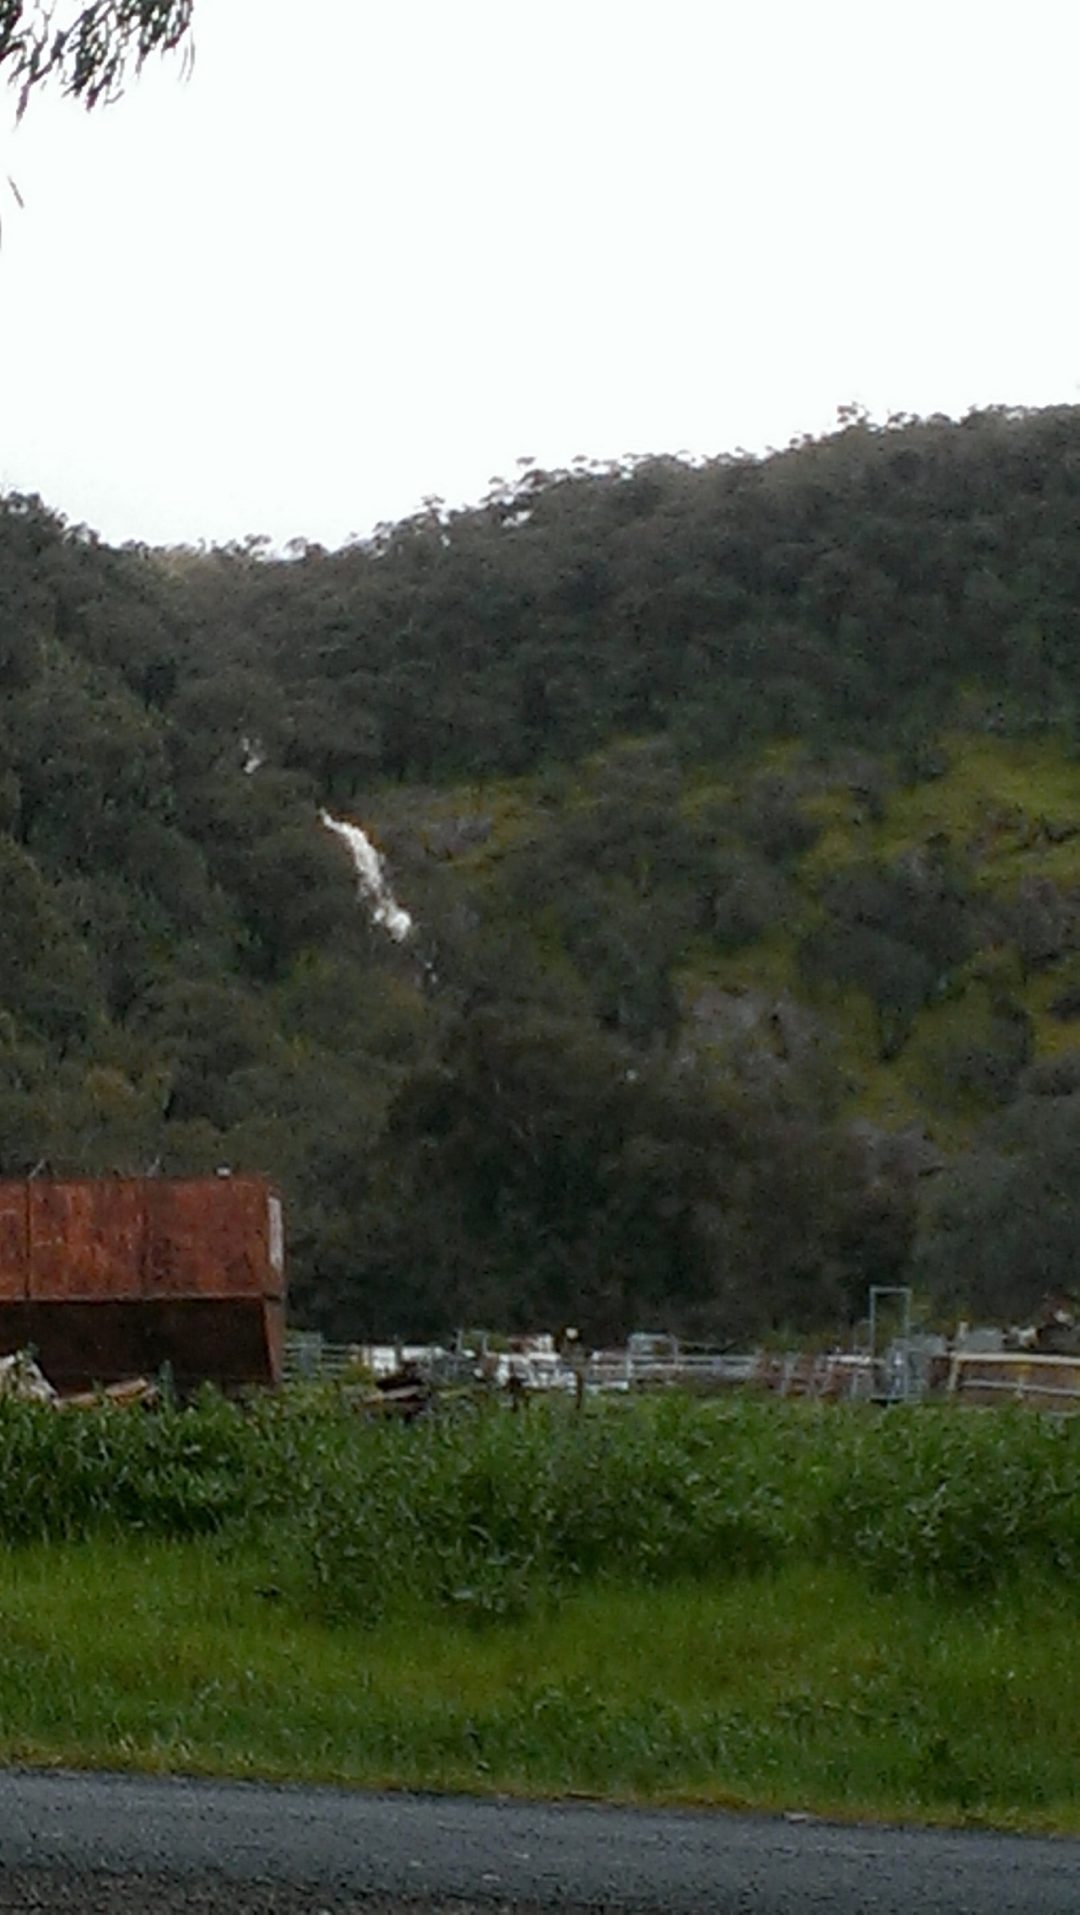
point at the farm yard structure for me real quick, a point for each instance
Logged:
(109, 1278)
(919, 1368)
(1044, 1382)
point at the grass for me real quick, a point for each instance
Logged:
(753, 1604)
(800, 1689)
(992, 797)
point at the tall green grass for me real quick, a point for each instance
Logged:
(489, 1515)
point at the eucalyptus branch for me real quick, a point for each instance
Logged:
(91, 55)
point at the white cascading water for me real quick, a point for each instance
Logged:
(371, 878)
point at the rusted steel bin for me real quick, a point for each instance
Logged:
(112, 1277)
(85, 1240)
(14, 1243)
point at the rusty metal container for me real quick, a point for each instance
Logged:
(85, 1240)
(210, 1237)
(14, 1242)
(112, 1277)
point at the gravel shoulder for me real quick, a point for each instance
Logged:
(120, 1843)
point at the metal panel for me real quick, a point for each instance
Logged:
(208, 1237)
(14, 1328)
(86, 1239)
(221, 1339)
(14, 1254)
(273, 1325)
(231, 1341)
(275, 1226)
(114, 1277)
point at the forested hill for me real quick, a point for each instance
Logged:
(738, 810)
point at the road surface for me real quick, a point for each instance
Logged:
(123, 1844)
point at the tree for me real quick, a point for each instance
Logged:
(1000, 1226)
(92, 54)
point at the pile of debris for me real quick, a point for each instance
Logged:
(23, 1380)
(1056, 1329)
(403, 1396)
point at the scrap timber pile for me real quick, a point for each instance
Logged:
(22, 1380)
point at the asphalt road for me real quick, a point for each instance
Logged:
(120, 1844)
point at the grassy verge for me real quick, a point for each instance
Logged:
(854, 1615)
(798, 1689)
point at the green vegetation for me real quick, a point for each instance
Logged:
(738, 810)
(781, 1607)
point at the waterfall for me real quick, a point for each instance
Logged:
(371, 878)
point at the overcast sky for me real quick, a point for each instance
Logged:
(377, 249)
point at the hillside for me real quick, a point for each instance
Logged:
(738, 811)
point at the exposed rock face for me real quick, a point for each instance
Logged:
(900, 1155)
(451, 837)
(766, 1034)
(1049, 920)
(718, 1016)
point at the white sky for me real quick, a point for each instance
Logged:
(376, 249)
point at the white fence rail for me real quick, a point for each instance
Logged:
(1015, 1376)
(1040, 1381)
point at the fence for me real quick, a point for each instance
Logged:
(309, 1356)
(969, 1377)
(1015, 1376)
